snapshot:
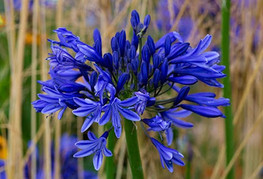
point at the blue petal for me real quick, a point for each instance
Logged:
(135, 18)
(130, 115)
(87, 123)
(122, 80)
(177, 50)
(169, 135)
(167, 45)
(156, 78)
(164, 71)
(50, 108)
(83, 153)
(87, 144)
(156, 61)
(97, 41)
(107, 152)
(90, 53)
(116, 122)
(84, 111)
(106, 117)
(147, 20)
(93, 79)
(128, 102)
(61, 112)
(150, 44)
(146, 54)
(169, 165)
(48, 98)
(205, 111)
(177, 161)
(173, 35)
(92, 136)
(97, 160)
(80, 101)
(184, 80)
(144, 72)
(181, 95)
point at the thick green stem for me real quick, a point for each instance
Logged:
(188, 170)
(229, 128)
(110, 163)
(133, 150)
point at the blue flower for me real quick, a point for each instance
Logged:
(174, 115)
(60, 58)
(164, 121)
(104, 85)
(168, 156)
(89, 109)
(144, 100)
(69, 164)
(94, 145)
(158, 124)
(139, 28)
(113, 111)
(54, 101)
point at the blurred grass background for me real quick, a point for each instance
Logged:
(24, 28)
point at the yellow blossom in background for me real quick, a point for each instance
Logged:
(2, 21)
(3, 148)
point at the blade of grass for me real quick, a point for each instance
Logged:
(10, 28)
(15, 111)
(59, 11)
(242, 145)
(225, 41)
(33, 84)
(44, 77)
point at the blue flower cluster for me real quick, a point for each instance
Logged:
(129, 81)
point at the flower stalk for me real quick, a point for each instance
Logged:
(133, 149)
(229, 128)
(110, 163)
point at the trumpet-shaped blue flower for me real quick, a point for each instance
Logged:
(54, 101)
(113, 111)
(144, 99)
(168, 156)
(94, 145)
(89, 109)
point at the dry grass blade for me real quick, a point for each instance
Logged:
(59, 15)
(15, 110)
(256, 171)
(33, 83)
(219, 163)
(249, 85)
(32, 148)
(121, 158)
(180, 14)
(242, 145)
(116, 20)
(44, 77)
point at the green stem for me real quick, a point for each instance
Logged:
(133, 150)
(229, 128)
(188, 170)
(110, 163)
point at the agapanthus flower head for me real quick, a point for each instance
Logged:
(128, 82)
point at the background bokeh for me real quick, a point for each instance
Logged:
(24, 30)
